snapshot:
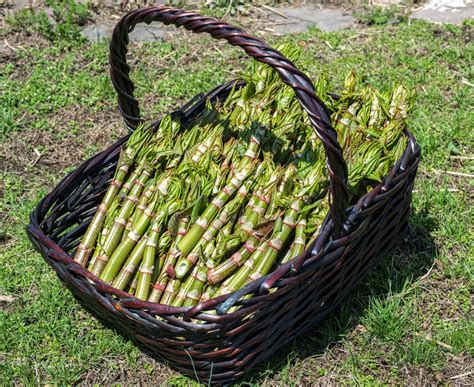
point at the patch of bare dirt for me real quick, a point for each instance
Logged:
(6, 302)
(147, 372)
(34, 153)
(14, 44)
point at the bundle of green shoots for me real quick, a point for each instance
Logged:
(194, 213)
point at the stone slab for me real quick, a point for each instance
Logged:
(445, 11)
(142, 32)
(299, 19)
(96, 33)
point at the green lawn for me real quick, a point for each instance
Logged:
(411, 321)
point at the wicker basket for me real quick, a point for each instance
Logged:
(223, 346)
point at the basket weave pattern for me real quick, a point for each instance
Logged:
(205, 340)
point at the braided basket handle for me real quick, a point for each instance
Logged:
(260, 51)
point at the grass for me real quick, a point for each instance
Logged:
(410, 322)
(371, 15)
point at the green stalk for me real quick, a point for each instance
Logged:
(158, 288)
(276, 243)
(194, 235)
(260, 199)
(165, 196)
(84, 249)
(104, 232)
(249, 209)
(123, 249)
(142, 203)
(247, 225)
(130, 266)
(223, 247)
(203, 148)
(128, 228)
(127, 156)
(299, 243)
(195, 290)
(185, 263)
(226, 268)
(168, 265)
(120, 221)
(222, 172)
(315, 220)
(163, 249)
(244, 168)
(146, 269)
(185, 287)
(237, 280)
(98, 248)
(133, 285)
(220, 179)
(122, 195)
(228, 227)
(208, 293)
(127, 186)
(170, 292)
(284, 192)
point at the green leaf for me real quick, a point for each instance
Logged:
(453, 149)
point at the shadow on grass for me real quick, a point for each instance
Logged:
(411, 260)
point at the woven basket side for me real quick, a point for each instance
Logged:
(232, 344)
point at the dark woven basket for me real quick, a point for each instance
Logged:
(223, 346)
